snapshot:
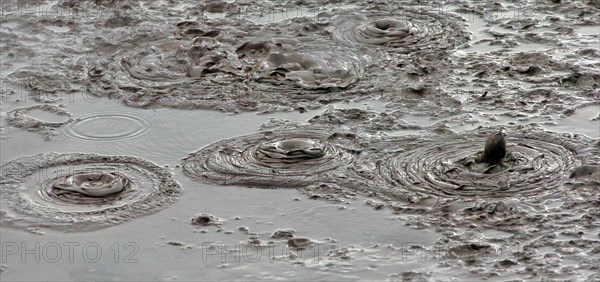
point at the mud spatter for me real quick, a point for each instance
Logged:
(81, 192)
(284, 158)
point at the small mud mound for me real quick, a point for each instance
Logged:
(19, 118)
(286, 158)
(405, 30)
(81, 192)
(537, 163)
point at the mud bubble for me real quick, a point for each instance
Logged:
(82, 192)
(283, 158)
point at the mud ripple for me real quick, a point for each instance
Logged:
(109, 127)
(286, 158)
(538, 163)
(404, 31)
(82, 192)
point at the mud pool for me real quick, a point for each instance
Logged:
(152, 140)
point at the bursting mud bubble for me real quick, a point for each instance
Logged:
(82, 192)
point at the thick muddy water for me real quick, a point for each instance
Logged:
(302, 140)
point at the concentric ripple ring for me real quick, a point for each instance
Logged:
(540, 163)
(405, 31)
(81, 192)
(286, 158)
(111, 127)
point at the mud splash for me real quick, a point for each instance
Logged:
(82, 192)
(538, 163)
(283, 158)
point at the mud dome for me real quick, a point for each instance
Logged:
(538, 163)
(82, 192)
(271, 159)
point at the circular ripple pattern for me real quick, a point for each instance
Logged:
(406, 31)
(287, 158)
(539, 163)
(81, 192)
(113, 127)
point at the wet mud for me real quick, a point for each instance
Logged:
(114, 127)
(19, 118)
(282, 158)
(525, 207)
(454, 183)
(536, 163)
(82, 192)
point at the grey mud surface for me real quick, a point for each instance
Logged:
(371, 111)
(31, 199)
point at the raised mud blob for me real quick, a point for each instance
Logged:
(93, 184)
(205, 219)
(405, 30)
(284, 158)
(491, 158)
(290, 151)
(495, 149)
(537, 163)
(19, 118)
(81, 192)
